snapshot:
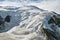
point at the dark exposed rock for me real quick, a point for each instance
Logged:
(1, 20)
(2, 27)
(50, 35)
(55, 13)
(51, 20)
(7, 18)
(55, 20)
(52, 32)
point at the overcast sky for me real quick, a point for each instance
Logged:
(51, 5)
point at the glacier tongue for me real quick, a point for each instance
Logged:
(26, 23)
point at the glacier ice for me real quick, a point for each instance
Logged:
(26, 23)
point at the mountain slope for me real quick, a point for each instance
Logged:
(28, 23)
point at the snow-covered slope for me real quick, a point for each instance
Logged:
(26, 23)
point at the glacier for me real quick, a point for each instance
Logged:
(26, 23)
(29, 20)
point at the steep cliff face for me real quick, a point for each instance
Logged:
(52, 33)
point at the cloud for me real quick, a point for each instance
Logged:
(51, 5)
(2, 0)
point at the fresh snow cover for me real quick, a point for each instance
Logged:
(27, 18)
(25, 23)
